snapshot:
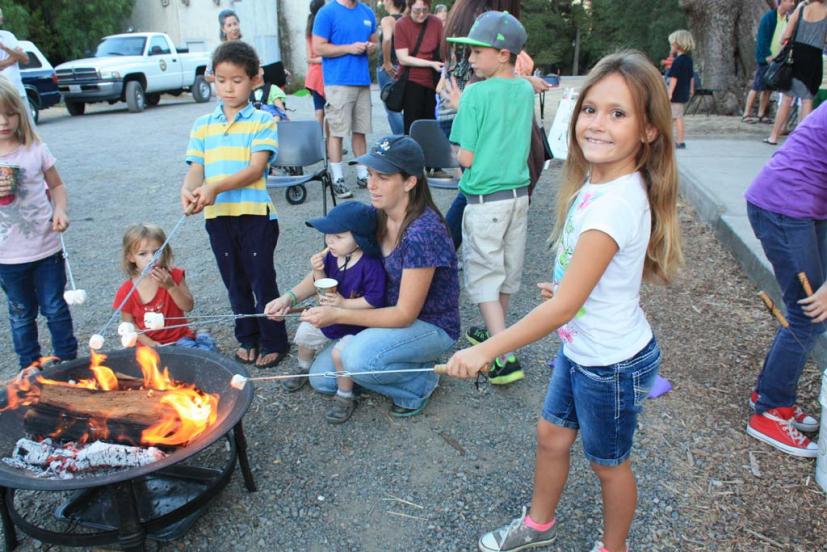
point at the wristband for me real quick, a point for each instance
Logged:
(293, 298)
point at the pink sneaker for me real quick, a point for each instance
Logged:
(775, 427)
(801, 420)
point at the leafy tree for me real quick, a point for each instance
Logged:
(65, 29)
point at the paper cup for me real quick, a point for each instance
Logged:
(10, 173)
(325, 286)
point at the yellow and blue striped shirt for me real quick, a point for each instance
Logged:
(225, 148)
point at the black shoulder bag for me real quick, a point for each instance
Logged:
(779, 74)
(393, 93)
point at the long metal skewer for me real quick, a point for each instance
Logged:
(66, 260)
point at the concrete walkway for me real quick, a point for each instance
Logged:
(714, 174)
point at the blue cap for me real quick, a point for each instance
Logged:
(354, 217)
(393, 154)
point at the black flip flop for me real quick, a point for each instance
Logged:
(272, 363)
(250, 349)
(770, 142)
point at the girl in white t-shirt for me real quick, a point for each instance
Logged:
(616, 223)
(32, 272)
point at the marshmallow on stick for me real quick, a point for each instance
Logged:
(96, 342)
(238, 381)
(129, 340)
(74, 296)
(153, 320)
(125, 328)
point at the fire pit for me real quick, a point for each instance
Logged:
(159, 500)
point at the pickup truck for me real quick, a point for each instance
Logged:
(136, 68)
(39, 80)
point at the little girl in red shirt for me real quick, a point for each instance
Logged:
(163, 290)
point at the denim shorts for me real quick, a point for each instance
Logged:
(602, 401)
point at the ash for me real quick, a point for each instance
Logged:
(50, 461)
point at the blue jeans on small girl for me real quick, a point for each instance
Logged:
(792, 245)
(32, 286)
(202, 340)
(602, 402)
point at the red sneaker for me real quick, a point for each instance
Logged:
(801, 420)
(775, 427)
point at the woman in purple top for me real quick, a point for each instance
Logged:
(421, 321)
(787, 208)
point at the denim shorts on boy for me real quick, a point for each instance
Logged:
(603, 402)
(494, 236)
(347, 110)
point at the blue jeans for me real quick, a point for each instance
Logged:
(395, 119)
(420, 345)
(453, 217)
(29, 286)
(602, 402)
(203, 341)
(792, 245)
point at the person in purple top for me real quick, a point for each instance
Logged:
(787, 208)
(421, 320)
(352, 262)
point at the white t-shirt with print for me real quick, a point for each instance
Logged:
(611, 326)
(12, 72)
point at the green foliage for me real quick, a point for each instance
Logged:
(606, 26)
(65, 29)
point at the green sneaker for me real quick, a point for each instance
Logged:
(506, 372)
(476, 335)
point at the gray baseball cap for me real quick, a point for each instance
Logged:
(495, 29)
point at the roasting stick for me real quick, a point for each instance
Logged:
(297, 310)
(218, 318)
(770, 304)
(238, 381)
(96, 341)
(805, 283)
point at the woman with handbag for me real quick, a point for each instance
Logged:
(417, 38)
(387, 66)
(807, 30)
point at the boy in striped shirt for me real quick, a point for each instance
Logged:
(228, 155)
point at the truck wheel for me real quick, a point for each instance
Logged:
(135, 98)
(34, 111)
(75, 108)
(201, 90)
(153, 99)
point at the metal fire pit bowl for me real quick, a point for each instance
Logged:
(208, 371)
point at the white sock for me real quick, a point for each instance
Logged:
(336, 171)
(361, 171)
(344, 394)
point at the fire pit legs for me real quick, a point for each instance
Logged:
(9, 532)
(131, 534)
(243, 460)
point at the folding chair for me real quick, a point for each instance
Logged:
(438, 151)
(705, 96)
(301, 143)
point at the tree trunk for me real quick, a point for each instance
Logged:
(724, 32)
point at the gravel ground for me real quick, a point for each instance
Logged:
(465, 466)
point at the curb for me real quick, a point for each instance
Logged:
(735, 234)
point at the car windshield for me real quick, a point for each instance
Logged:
(121, 46)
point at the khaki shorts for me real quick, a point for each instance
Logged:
(347, 110)
(308, 335)
(493, 247)
(677, 110)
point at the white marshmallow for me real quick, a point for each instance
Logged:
(153, 320)
(96, 342)
(129, 340)
(80, 296)
(69, 296)
(238, 381)
(125, 328)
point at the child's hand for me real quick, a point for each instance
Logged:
(204, 195)
(332, 300)
(60, 220)
(546, 290)
(319, 317)
(451, 93)
(162, 276)
(467, 363)
(317, 262)
(815, 306)
(277, 308)
(189, 203)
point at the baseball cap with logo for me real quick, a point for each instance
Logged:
(393, 154)
(495, 29)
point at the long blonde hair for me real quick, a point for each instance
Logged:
(654, 160)
(132, 239)
(10, 100)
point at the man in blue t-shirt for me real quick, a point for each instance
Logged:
(344, 34)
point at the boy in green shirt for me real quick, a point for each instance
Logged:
(493, 130)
